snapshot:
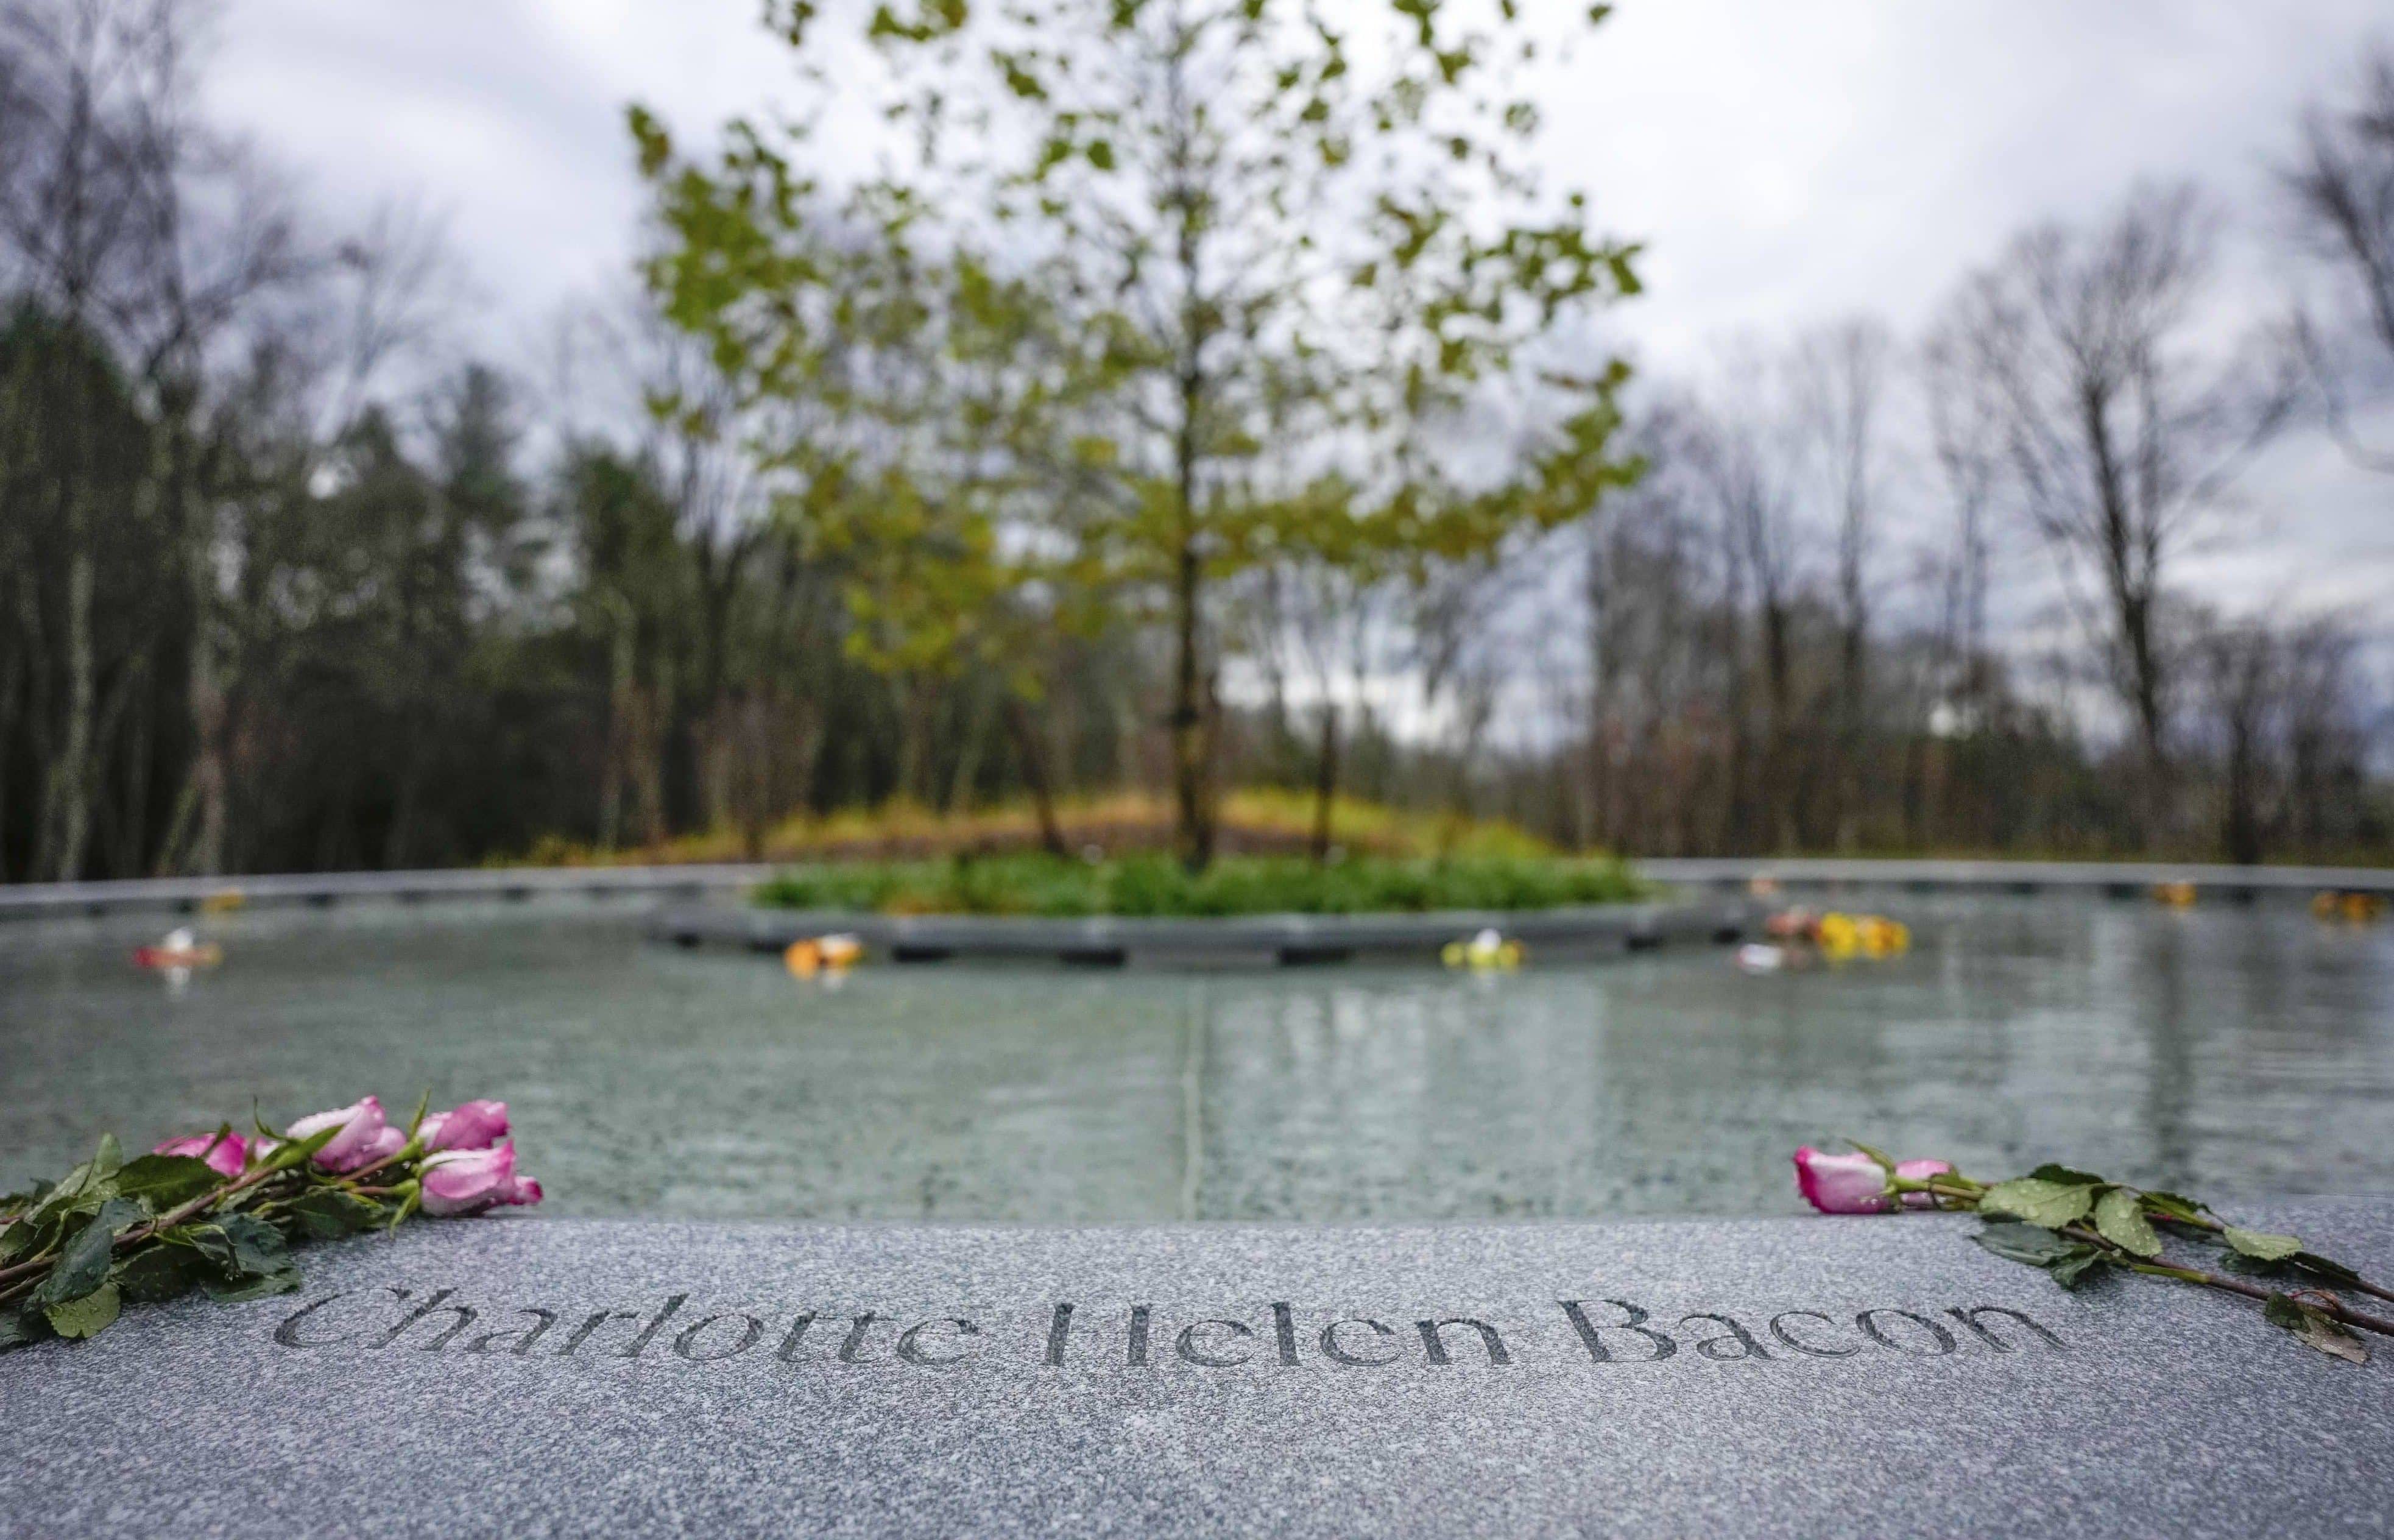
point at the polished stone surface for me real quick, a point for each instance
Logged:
(1802, 1377)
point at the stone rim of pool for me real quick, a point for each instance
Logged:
(1572, 931)
(1866, 1375)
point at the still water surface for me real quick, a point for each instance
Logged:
(2231, 1051)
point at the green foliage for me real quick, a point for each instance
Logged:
(1154, 885)
(2072, 1263)
(1256, 268)
(161, 1182)
(2121, 1221)
(2260, 1245)
(2315, 1328)
(2039, 1201)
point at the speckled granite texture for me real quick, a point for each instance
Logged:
(1818, 1382)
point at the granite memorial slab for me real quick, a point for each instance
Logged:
(1873, 1377)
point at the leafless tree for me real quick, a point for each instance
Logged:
(1841, 381)
(2119, 435)
(2342, 191)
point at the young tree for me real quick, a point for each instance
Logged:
(1292, 252)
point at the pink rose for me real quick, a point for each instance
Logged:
(1841, 1184)
(467, 1182)
(363, 1137)
(468, 1125)
(226, 1152)
(1920, 1171)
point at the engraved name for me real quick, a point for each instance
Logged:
(1594, 1331)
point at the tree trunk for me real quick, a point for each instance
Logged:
(1193, 834)
(1325, 784)
(67, 797)
(1033, 754)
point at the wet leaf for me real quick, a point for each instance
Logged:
(329, 1213)
(2082, 1263)
(87, 1316)
(2064, 1177)
(2171, 1206)
(2323, 1269)
(240, 1246)
(281, 1281)
(2316, 1328)
(2039, 1202)
(155, 1273)
(2017, 1241)
(19, 1326)
(2122, 1222)
(2260, 1244)
(166, 1181)
(83, 1261)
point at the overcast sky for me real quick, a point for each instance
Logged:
(1786, 163)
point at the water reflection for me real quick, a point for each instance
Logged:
(2236, 1050)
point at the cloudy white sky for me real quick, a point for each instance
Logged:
(1788, 163)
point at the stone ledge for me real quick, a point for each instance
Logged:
(1875, 1377)
(1580, 931)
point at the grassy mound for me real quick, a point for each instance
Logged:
(1256, 821)
(1154, 884)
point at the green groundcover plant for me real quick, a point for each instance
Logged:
(1157, 884)
(2080, 1227)
(220, 1212)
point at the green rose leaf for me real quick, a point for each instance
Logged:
(82, 1262)
(2316, 1328)
(85, 1317)
(2017, 1241)
(2122, 1222)
(328, 1213)
(281, 1281)
(166, 1181)
(2084, 1262)
(2065, 1176)
(19, 1326)
(240, 1246)
(295, 1153)
(2038, 1201)
(24, 1238)
(2322, 1268)
(155, 1273)
(2261, 1245)
(2171, 1206)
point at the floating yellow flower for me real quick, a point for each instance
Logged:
(813, 954)
(2355, 908)
(1840, 937)
(1487, 950)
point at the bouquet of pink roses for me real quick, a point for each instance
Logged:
(2078, 1226)
(220, 1211)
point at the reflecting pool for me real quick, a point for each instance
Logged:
(2234, 1051)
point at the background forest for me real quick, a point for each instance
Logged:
(1184, 451)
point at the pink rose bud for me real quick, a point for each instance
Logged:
(1841, 1184)
(1920, 1171)
(468, 1125)
(360, 1141)
(467, 1182)
(226, 1152)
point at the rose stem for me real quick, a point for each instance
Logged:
(2334, 1306)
